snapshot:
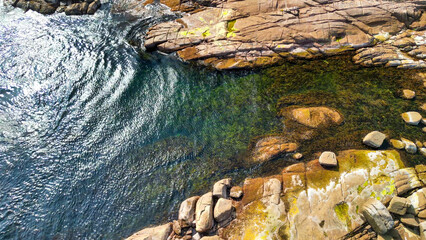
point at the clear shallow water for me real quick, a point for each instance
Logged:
(96, 142)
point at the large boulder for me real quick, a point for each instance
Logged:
(220, 188)
(155, 233)
(314, 117)
(223, 209)
(187, 210)
(271, 147)
(377, 216)
(204, 213)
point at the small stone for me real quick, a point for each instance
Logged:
(223, 209)
(196, 236)
(411, 118)
(410, 220)
(419, 144)
(374, 139)
(220, 188)
(397, 144)
(410, 147)
(423, 107)
(236, 192)
(297, 156)
(377, 216)
(398, 205)
(423, 151)
(328, 159)
(408, 94)
(424, 129)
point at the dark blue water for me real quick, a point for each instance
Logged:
(97, 140)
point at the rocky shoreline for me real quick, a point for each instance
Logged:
(245, 34)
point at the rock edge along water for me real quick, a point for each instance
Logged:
(308, 201)
(243, 34)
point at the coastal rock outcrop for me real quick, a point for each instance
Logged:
(242, 34)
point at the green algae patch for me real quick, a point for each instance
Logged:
(342, 213)
(231, 29)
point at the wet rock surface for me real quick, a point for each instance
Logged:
(243, 34)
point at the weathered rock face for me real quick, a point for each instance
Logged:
(377, 216)
(52, 6)
(271, 147)
(158, 233)
(314, 117)
(314, 201)
(240, 34)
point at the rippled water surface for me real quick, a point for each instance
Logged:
(96, 142)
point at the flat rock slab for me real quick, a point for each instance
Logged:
(159, 233)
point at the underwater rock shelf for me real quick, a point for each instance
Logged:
(309, 201)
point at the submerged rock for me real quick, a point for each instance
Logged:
(377, 216)
(397, 144)
(374, 139)
(52, 6)
(271, 147)
(314, 117)
(408, 94)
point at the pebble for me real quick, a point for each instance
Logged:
(423, 107)
(419, 144)
(397, 144)
(408, 94)
(424, 129)
(423, 151)
(412, 118)
(297, 156)
(410, 147)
